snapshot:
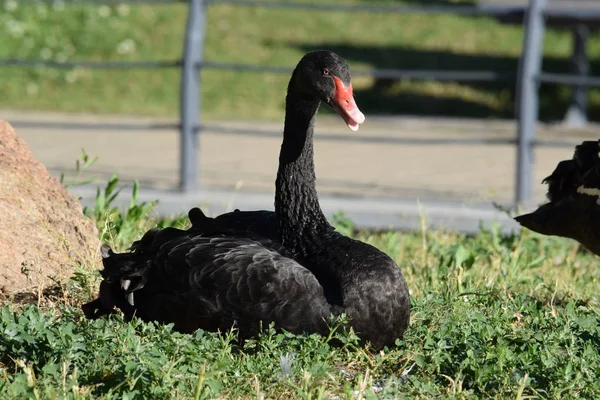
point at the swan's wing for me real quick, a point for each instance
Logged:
(253, 223)
(216, 283)
(562, 181)
(263, 223)
(586, 155)
(568, 174)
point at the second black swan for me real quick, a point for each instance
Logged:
(573, 210)
(248, 269)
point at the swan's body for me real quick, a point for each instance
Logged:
(248, 269)
(573, 210)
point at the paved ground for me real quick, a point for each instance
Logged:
(367, 172)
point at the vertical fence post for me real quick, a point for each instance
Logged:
(190, 95)
(528, 102)
(576, 116)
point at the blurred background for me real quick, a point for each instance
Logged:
(440, 133)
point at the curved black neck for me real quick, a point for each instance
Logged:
(301, 220)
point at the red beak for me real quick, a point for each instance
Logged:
(344, 104)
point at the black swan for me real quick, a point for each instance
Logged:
(574, 194)
(248, 269)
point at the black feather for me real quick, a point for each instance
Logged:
(569, 174)
(573, 210)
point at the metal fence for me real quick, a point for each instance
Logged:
(528, 77)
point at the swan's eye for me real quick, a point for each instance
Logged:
(325, 71)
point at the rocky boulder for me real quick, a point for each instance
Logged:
(43, 232)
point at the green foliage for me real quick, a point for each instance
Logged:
(62, 31)
(120, 227)
(52, 30)
(80, 165)
(343, 224)
(490, 344)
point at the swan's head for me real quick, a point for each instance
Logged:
(326, 76)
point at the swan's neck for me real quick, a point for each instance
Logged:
(301, 220)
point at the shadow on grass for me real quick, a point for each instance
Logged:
(389, 96)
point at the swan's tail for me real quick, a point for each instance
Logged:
(121, 278)
(126, 273)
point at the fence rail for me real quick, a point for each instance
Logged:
(528, 77)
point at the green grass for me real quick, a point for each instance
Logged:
(493, 316)
(271, 37)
